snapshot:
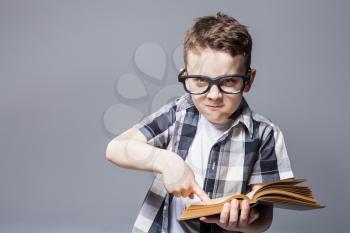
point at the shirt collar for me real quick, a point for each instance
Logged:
(242, 115)
(245, 117)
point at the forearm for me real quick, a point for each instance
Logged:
(133, 154)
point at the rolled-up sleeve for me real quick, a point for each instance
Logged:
(273, 162)
(156, 126)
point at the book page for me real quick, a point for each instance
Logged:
(214, 201)
(219, 200)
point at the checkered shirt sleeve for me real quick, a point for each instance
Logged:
(156, 126)
(273, 162)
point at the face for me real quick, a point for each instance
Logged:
(215, 105)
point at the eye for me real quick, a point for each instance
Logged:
(199, 80)
(229, 81)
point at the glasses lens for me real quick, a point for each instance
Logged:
(196, 85)
(232, 84)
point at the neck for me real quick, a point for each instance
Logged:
(222, 125)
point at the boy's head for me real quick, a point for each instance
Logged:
(216, 46)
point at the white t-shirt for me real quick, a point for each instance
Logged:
(206, 136)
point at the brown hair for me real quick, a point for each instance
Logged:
(220, 32)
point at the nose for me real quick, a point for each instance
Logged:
(214, 93)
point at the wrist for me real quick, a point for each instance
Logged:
(164, 159)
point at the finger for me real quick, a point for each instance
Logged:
(233, 221)
(210, 219)
(201, 194)
(245, 209)
(253, 215)
(225, 214)
(184, 193)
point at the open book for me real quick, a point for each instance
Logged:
(281, 194)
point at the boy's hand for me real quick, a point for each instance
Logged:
(235, 216)
(179, 179)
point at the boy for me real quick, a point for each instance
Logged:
(207, 143)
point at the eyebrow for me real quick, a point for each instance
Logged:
(237, 73)
(216, 77)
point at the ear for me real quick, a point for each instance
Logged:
(250, 83)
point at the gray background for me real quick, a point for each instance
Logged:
(59, 62)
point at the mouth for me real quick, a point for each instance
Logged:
(215, 106)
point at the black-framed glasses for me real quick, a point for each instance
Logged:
(200, 84)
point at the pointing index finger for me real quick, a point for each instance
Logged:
(202, 195)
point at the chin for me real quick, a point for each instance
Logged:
(213, 116)
(217, 120)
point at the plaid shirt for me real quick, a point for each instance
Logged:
(252, 150)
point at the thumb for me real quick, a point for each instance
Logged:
(254, 215)
(201, 194)
(209, 219)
